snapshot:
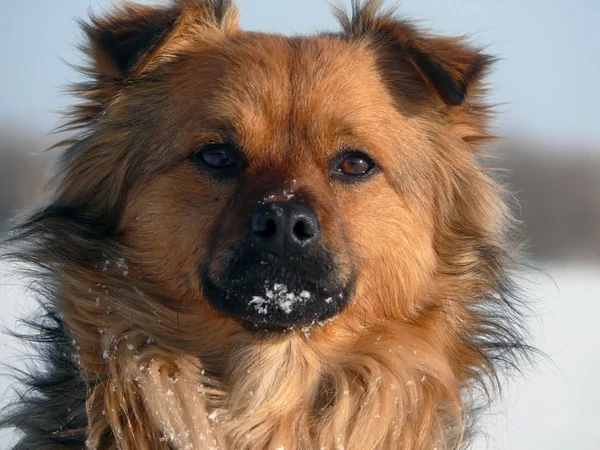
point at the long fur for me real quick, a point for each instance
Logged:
(117, 371)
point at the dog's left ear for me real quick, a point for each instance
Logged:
(448, 65)
(130, 39)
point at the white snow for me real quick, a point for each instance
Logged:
(555, 406)
(278, 296)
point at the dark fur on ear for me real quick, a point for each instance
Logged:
(119, 42)
(123, 42)
(448, 65)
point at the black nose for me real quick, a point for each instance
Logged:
(284, 228)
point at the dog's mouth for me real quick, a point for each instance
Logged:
(273, 306)
(279, 297)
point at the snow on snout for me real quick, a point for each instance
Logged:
(278, 297)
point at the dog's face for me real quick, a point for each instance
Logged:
(279, 200)
(264, 182)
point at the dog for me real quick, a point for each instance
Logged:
(254, 241)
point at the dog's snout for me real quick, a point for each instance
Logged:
(284, 228)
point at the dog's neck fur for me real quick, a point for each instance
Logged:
(282, 394)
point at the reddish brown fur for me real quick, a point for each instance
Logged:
(398, 368)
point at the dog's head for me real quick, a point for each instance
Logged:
(275, 182)
(230, 182)
(280, 180)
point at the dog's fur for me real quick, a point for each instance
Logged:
(136, 358)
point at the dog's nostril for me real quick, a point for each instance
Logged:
(267, 229)
(264, 225)
(303, 230)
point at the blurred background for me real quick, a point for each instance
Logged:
(546, 89)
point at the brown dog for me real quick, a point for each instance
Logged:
(268, 242)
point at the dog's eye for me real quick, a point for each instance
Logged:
(216, 157)
(353, 164)
(221, 159)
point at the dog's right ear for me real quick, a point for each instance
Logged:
(449, 66)
(130, 40)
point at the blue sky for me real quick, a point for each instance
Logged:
(547, 80)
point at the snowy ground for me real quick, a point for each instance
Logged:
(556, 407)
